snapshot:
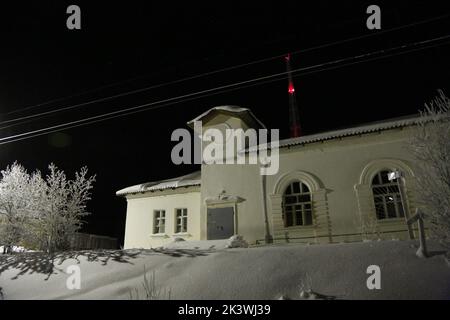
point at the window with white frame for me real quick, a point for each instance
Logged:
(159, 221)
(297, 205)
(181, 220)
(386, 196)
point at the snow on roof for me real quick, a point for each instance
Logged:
(243, 113)
(192, 179)
(351, 131)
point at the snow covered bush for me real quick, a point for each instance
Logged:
(430, 146)
(236, 241)
(62, 208)
(42, 213)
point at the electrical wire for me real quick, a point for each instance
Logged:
(210, 92)
(195, 76)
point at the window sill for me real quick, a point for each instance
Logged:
(299, 228)
(159, 235)
(182, 234)
(391, 221)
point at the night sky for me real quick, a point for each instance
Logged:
(124, 46)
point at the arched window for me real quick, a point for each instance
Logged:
(386, 195)
(297, 205)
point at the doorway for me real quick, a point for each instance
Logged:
(220, 223)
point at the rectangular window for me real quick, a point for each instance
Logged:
(159, 221)
(181, 220)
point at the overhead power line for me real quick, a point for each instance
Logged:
(202, 75)
(230, 87)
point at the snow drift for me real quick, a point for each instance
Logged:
(215, 272)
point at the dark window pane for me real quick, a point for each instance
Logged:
(296, 187)
(308, 218)
(390, 205)
(387, 199)
(298, 218)
(400, 209)
(290, 199)
(378, 199)
(393, 189)
(377, 190)
(296, 200)
(376, 179)
(288, 190)
(384, 177)
(288, 216)
(379, 207)
(304, 198)
(305, 188)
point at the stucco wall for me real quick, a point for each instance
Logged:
(140, 210)
(338, 173)
(235, 180)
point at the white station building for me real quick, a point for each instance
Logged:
(330, 187)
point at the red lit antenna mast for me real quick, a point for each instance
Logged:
(294, 118)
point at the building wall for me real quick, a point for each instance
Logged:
(232, 180)
(241, 181)
(338, 173)
(140, 217)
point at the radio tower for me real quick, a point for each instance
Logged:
(294, 118)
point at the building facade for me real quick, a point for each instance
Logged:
(330, 187)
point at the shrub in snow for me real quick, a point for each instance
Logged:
(236, 241)
(430, 146)
(178, 239)
(151, 291)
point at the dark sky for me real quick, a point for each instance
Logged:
(139, 44)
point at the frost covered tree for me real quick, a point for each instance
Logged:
(15, 205)
(430, 146)
(42, 212)
(61, 209)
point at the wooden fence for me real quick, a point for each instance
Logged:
(84, 241)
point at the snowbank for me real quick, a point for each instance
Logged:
(271, 272)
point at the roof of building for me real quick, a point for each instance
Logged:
(244, 113)
(192, 179)
(351, 131)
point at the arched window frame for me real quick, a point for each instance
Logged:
(297, 205)
(363, 189)
(386, 197)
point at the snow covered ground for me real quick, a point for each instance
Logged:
(208, 270)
